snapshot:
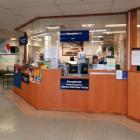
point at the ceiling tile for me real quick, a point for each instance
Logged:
(4, 12)
(124, 5)
(86, 8)
(16, 12)
(77, 2)
(26, 3)
(40, 11)
(13, 21)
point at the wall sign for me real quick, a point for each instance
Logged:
(136, 56)
(74, 84)
(23, 40)
(8, 60)
(72, 36)
(17, 76)
(25, 78)
(121, 75)
(111, 64)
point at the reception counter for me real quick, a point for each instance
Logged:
(105, 94)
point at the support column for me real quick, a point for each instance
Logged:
(131, 35)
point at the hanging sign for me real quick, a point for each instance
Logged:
(23, 40)
(73, 36)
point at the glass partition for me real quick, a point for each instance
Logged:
(107, 38)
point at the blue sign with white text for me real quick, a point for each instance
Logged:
(25, 78)
(23, 40)
(72, 36)
(17, 77)
(74, 84)
(124, 75)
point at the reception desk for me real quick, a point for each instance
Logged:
(105, 94)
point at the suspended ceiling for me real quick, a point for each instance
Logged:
(16, 12)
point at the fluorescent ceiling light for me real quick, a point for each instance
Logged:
(96, 41)
(115, 32)
(115, 25)
(100, 36)
(37, 39)
(53, 27)
(40, 35)
(87, 25)
(97, 30)
(119, 25)
(13, 39)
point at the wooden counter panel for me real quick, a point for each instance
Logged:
(107, 94)
(28, 92)
(49, 92)
(134, 95)
(74, 100)
(56, 99)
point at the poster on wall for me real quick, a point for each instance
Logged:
(121, 75)
(74, 84)
(3, 43)
(17, 76)
(25, 78)
(136, 56)
(111, 64)
(7, 61)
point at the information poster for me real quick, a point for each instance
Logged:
(7, 61)
(25, 78)
(121, 75)
(136, 56)
(111, 64)
(74, 84)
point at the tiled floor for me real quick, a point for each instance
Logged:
(20, 121)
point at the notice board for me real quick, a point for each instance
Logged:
(135, 57)
(7, 61)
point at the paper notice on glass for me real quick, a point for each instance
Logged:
(119, 74)
(94, 67)
(111, 64)
(136, 57)
(100, 66)
(54, 63)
